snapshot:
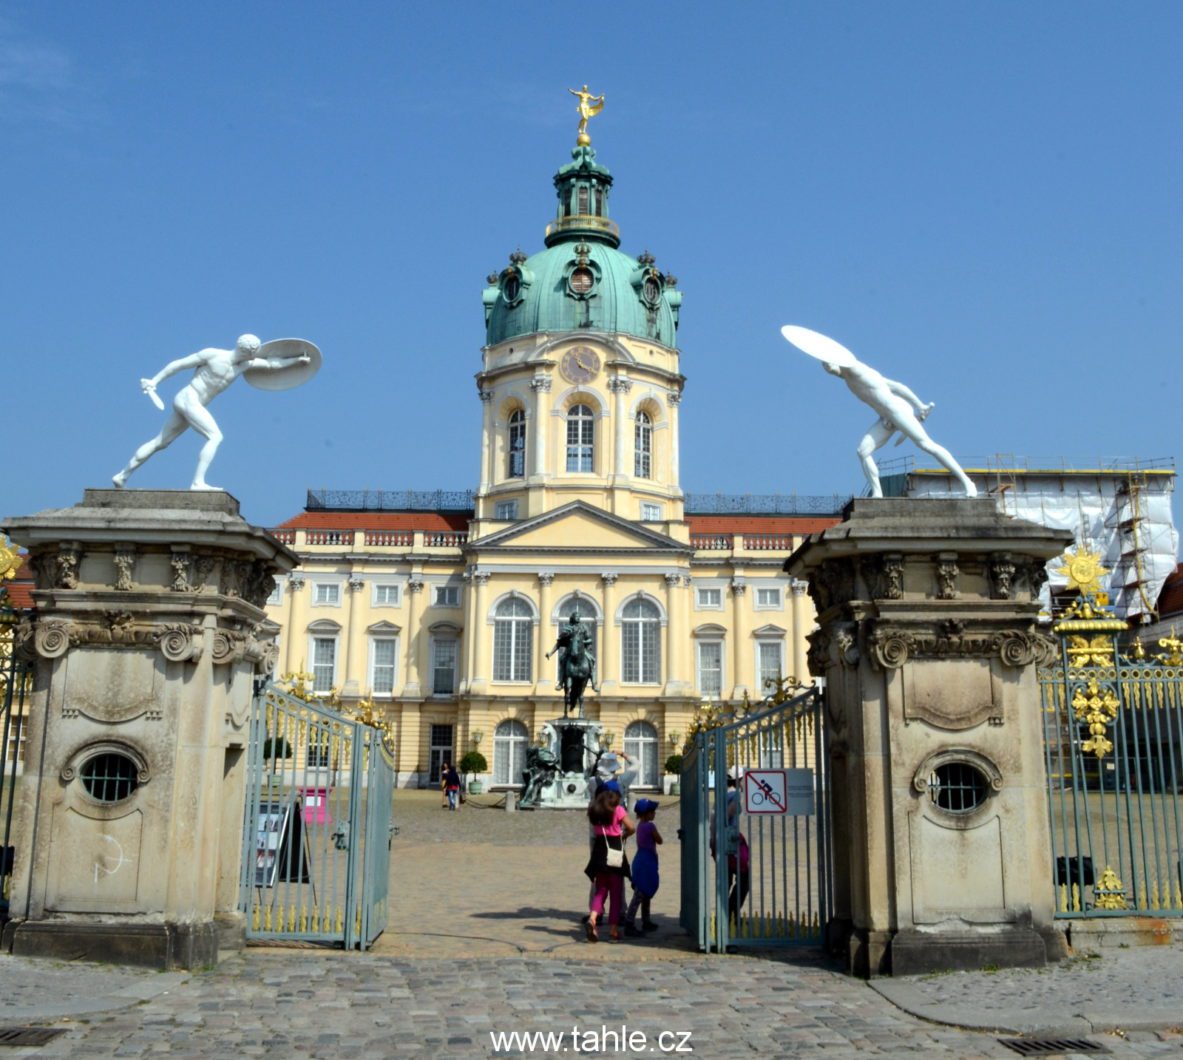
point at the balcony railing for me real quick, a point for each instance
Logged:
(712, 542)
(444, 539)
(284, 537)
(768, 542)
(328, 537)
(390, 538)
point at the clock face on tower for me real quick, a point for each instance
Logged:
(580, 364)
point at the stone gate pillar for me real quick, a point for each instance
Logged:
(148, 634)
(928, 643)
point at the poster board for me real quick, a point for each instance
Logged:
(280, 854)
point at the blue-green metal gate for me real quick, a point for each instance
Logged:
(750, 877)
(1113, 745)
(317, 835)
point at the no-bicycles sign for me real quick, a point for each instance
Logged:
(778, 791)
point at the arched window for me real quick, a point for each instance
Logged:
(640, 744)
(640, 642)
(643, 444)
(517, 444)
(509, 752)
(581, 436)
(513, 639)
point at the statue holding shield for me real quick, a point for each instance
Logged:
(278, 365)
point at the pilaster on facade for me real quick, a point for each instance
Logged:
(412, 682)
(741, 641)
(478, 680)
(610, 642)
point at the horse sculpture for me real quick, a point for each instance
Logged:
(577, 665)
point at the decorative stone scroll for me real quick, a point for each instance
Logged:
(180, 642)
(891, 647)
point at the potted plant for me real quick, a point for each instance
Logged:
(474, 762)
(673, 765)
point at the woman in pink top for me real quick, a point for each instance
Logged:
(608, 867)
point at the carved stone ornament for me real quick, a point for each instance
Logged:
(891, 577)
(182, 565)
(818, 656)
(846, 644)
(1002, 576)
(180, 642)
(1036, 572)
(947, 576)
(66, 567)
(416, 585)
(296, 582)
(609, 577)
(546, 577)
(891, 648)
(236, 577)
(125, 561)
(832, 582)
(52, 639)
(355, 585)
(202, 570)
(232, 646)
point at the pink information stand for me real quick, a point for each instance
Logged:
(316, 805)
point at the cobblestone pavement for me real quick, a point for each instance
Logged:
(485, 940)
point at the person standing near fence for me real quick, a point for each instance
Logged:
(608, 866)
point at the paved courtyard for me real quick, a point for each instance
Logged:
(485, 941)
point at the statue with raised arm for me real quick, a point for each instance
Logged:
(899, 409)
(589, 107)
(278, 365)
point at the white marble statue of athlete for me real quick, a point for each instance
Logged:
(899, 409)
(214, 371)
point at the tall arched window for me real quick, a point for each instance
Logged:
(509, 752)
(640, 744)
(643, 445)
(517, 444)
(640, 642)
(513, 640)
(581, 436)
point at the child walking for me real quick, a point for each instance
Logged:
(607, 867)
(644, 869)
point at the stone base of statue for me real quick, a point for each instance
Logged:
(148, 636)
(929, 643)
(572, 745)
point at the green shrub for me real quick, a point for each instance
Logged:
(283, 749)
(673, 764)
(473, 762)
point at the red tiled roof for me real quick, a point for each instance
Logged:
(1170, 600)
(378, 521)
(761, 524)
(20, 590)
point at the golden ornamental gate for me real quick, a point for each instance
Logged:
(1113, 740)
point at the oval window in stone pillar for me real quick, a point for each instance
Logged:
(958, 781)
(108, 773)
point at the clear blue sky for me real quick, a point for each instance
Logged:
(982, 200)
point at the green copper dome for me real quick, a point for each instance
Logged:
(581, 281)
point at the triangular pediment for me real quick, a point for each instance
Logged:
(577, 526)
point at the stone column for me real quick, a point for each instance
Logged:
(673, 401)
(293, 634)
(621, 386)
(148, 636)
(796, 662)
(479, 679)
(610, 642)
(740, 638)
(929, 645)
(544, 679)
(356, 648)
(412, 755)
(487, 448)
(412, 684)
(541, 386)
(681, 677)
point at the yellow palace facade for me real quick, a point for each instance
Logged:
(441, 608)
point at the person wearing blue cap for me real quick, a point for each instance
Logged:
(644, 868)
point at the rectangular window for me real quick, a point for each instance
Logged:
(650, 513)
(276, 597)
(770, 662)
(641, 658)
(710, 667)
(443, 667)
(710, 599)
(382, 667)
(386, 596)
(768, 599)
(507, 510)
(512, 651)
(327, 594)
(324, 663)
(447, 596)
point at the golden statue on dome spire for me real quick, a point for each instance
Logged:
(589, 107)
